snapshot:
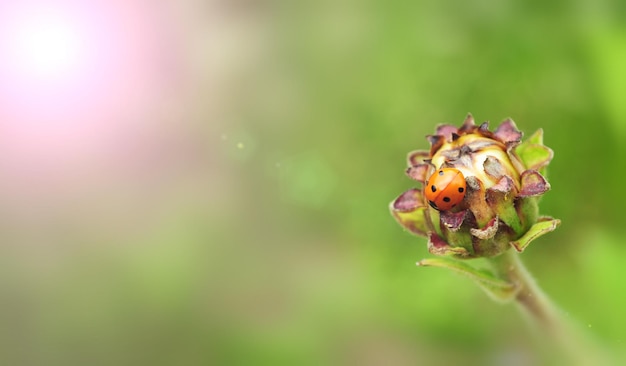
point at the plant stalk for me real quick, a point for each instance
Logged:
(575, 343)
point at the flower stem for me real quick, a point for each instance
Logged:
(529, 296)
(575, 344)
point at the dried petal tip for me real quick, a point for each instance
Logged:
(436, 142)
(488, 232)
(533, 184)
(447, 131)
(418, 172)
(468, 124)
(508, 133)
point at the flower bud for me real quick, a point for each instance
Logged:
(498, 207)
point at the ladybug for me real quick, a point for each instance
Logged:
(445, 189)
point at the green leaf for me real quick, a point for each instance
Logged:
(543, 226)
(496, 288)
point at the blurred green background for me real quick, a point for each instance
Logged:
(269, 241)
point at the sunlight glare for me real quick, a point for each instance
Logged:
(44, 45)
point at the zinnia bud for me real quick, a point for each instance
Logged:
(496, 209)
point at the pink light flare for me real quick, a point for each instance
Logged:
(76, 75)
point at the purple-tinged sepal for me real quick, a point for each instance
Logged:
(533, 184)
(418, 172)
(508, 133)
(447, 131)
(410, 212)
(453, 220)
(438, 246)
(417, 157)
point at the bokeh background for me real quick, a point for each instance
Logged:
(207, 182)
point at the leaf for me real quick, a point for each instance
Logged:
(496, 288)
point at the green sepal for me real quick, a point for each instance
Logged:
(534, 154)
(414, 221)
(508, 215)
(543, 226)
(528, 211)
(535, 138)
(495, 287)
(435, 220)
(438, 246)
(461, 239)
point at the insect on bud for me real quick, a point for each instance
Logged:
(478, 190)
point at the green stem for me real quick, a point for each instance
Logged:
(529, 296)
(574, 343)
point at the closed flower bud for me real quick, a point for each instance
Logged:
(478, 190)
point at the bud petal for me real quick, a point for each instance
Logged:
(500, 199)
(494, 168)
(476, 201)
(487, 232)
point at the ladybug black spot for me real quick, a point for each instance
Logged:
(433, 188)
(446, 199)
(433, 205)
(461, 189)
(441, 172)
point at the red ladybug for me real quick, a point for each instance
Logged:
(445, 189)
